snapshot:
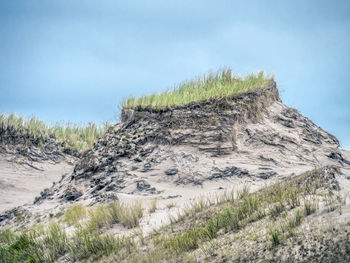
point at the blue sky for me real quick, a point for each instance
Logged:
(70, 60)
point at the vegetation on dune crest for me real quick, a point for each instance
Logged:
(70, 137)
(212, 86)
(76, 139)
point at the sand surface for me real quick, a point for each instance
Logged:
(21, 183)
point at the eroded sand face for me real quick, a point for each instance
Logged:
(21, 183)
(201, 152)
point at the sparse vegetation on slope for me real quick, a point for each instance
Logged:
(116, 212)
(75, 213)
(49, 243)
(205, 232)
(69, 137)
(213, 86)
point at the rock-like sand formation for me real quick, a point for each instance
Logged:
(177, 154)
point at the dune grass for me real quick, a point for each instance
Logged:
(212, 86)
(74, 213)
(153, 206)
(51, 244)
(128, 215)
(279, 211)
(72, 138)
(116, 212)
(104, 215)
(205, 224)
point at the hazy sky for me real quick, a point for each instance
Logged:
(77, 60)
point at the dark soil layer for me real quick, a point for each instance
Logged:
(35, 148)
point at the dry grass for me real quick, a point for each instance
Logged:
(105, 215)
(75, 213)
(153, 206)
(170, 205)
(99, 217)
(128, 215)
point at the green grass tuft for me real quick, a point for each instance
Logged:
(275, 236)
(309, 207)
(212, 86)
(74, 213)
(72, 138)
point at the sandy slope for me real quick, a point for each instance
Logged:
(180, 156)
(21, 183)
(183, 153)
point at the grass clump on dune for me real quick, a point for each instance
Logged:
(104, 215)
(116, 212)
(212, 86)
(52, 244)
(128, 215)
(71, 138)
(75, 213)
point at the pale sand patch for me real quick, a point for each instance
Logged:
(20, 183)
